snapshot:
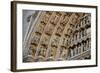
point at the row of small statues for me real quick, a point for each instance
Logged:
(80, 48)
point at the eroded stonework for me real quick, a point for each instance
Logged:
(58, 36)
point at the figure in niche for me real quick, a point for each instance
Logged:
(75, 37)
(67, 39)
(72, 39)
(49, 29)
(88, 32)
(42, 51)
(59, 31)
(52, 52)
(87, 19)
(45, 39)
(55, 41)
(79, 48)
(55, 19)
(32, 50)
(64, 42)
(88, 22)
(84, 46)
(83, 33)
(78, 33)
(69, 53)
(87, 44)
(63, 52)
(71, 26)
(76, 49)
(74, 19)
(82, 23)
(36, 39)
(45, 18)
(40, 28)
(72, 52)
(64, 20)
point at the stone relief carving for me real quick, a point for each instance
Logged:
(64, 32)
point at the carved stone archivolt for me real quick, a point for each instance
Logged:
(60, 36)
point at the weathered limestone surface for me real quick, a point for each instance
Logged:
(59, 36)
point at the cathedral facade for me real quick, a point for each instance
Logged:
(57, 36)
